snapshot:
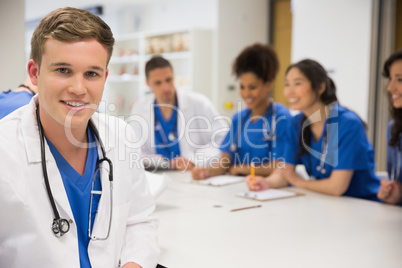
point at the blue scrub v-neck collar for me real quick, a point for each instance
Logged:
(159, 114)
(266, 114)
(76, 179)
(326, 123)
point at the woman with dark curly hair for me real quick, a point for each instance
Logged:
(328, 139)
(257, 133)
(391, 191)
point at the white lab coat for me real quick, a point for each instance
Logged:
(200, 128)
(26, 239)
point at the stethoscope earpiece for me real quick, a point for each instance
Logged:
(321, 169)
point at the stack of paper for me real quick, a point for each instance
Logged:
(157, 183)
(267, 194)
(221, 180)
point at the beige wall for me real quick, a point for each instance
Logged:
(12, 49)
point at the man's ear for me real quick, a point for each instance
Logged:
(33, 71)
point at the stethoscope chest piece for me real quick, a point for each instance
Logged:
(60, 227)
(172, 136)
(233, 147)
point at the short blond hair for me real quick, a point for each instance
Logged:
(70, 25)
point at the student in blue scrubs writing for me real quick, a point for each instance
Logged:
(391, 191)
(11, 100)
(328, 139)
(74, 199)
(257, 133)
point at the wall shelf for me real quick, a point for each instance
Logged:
(188, 50)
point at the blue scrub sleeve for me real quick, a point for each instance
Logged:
(230, 136)
(292, 143)
(283, 122)
(353, 150)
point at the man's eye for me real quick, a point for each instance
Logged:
(62, 70)
(92, 74)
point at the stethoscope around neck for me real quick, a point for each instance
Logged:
(324, 151)
(172, 134)
(396, 161)
(267, 136)
(59, 225)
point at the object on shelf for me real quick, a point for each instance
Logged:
(177, 42)
(135, 70)
(122, 70)
(119, 103)
(228, 105)
(186, 41)
(182, 81)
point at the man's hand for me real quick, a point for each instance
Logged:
(181, 163)
(131, 265)
(199, 173)
(236, 170)
(390, 192)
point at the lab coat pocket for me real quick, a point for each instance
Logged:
(106, 253)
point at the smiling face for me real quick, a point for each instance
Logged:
(300, 94)
(70, 81)
(254, 92)
(395, 83)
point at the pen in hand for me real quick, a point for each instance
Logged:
(252, 171)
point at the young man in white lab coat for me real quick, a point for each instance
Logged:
(181, 126)
(58, 206)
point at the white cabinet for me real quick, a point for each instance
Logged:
(189, 51)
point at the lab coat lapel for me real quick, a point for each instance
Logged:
(57, 186)
(101, 223)
(102, 217)
(30, 133)
(182, 113)
(31, 137)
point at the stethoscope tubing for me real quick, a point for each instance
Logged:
(267, 136)
(58, 221)
(396, 162)
(158, 127)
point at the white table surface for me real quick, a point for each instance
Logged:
(197, 229)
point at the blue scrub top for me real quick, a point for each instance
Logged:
(392, 156)
(12, 100)
(164, 146)
(78, 189)
(348, 149)
(252, 145)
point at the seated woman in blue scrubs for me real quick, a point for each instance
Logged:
(391, 191)
(258, 133)
(328, 139)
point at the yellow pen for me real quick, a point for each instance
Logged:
(252, 171)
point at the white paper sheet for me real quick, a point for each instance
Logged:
(267, 194)
(157, 183)
(221, 180)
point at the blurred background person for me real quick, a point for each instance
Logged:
(328, 139)
(13, 99)
(183, 126)
(257, 133)
(391, 191)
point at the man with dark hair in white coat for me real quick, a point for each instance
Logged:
(181, 128)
